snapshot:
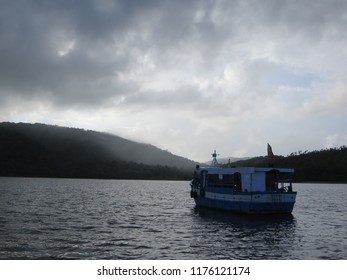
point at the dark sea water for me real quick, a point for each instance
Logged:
(124, 219)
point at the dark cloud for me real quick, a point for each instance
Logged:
(77, 51)
(231, 67)
(35, 34)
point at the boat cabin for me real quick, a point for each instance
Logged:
(244, 179)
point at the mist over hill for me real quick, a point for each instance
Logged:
(39, 150)
(53, 151)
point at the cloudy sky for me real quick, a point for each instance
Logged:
(186, 76)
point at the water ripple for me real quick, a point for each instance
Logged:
(116, 219)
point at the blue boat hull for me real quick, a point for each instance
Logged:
(246, 206)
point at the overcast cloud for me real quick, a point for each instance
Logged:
(187, 76)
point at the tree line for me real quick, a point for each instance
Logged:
(44, 152)
(36, 150)
(326, 165)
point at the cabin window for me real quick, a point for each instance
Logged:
(276, 180)
(212, 178)
(224, 180)
(228, 179)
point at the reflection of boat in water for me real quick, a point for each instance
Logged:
(243, 189)
(247, 223)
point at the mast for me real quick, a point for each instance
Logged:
(214, 162)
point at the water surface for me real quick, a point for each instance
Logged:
(125, 219)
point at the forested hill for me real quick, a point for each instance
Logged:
(51, 151)
(329, 165)
(38, 150)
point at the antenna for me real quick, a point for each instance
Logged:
(214, 160)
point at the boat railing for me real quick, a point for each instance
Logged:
(284, 185)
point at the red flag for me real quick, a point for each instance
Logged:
(269, 151)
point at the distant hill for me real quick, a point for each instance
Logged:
(52, 151)
(39, 150)
(329, 165)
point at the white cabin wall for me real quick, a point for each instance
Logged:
(258, 182)
(246, 182)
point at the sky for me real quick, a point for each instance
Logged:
(186, 76)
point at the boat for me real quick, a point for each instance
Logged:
(251, 190)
